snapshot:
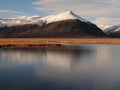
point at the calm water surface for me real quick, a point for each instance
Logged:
(70, 67)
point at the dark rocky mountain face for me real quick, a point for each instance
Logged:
(66, 28)
(115, 35)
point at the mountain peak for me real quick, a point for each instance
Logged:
(66, 15)
(68, 12)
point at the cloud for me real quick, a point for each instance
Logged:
(94, 8)
(107, 21)
(11, 13)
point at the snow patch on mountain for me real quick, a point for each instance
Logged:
(62, 16)
(38, 20)
(103, 27)
(113, 29)
(20, 21)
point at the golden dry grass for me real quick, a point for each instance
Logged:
(53, 41)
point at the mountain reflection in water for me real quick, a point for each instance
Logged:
(62, 57)
(73, 67)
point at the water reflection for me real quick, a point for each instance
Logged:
(73, 67)
(63, 57)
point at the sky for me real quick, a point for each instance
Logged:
(105, 12)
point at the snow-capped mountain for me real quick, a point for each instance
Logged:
(20, 21)
(38, 20)
(66, 24)
(115, 28)
(113, 31)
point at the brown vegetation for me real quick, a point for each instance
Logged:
(36, 42)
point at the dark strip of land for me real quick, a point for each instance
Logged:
(29, 42)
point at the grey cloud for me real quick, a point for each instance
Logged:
(96, 8)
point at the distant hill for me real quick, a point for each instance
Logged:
(113, 31)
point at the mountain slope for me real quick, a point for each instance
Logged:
(67, 28)
(66, 24)
(113, 31)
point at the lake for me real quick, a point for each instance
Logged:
(69, 67)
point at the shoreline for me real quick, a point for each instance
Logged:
(45, 42)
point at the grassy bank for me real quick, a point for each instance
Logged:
(23, 42)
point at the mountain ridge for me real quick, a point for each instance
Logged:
(66, 24)
(113, 31)
(22, 20)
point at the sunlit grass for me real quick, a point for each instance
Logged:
(53, 41)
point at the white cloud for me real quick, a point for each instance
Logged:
(11, 13)
(107, 21)
(94, 8)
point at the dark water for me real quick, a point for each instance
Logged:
(72, 67)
